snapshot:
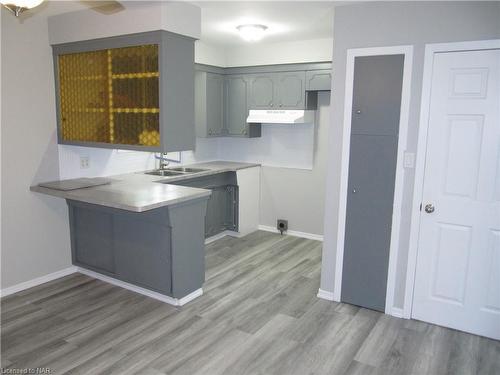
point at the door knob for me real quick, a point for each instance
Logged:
(429, 208)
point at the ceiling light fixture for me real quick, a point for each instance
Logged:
(19, 6)
(252, 32)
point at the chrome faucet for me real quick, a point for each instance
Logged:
(163, 161)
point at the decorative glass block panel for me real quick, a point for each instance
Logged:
(110, 96)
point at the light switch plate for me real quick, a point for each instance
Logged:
(409, 160)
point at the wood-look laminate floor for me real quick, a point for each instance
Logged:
(259, 315)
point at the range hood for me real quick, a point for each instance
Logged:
(285, 116)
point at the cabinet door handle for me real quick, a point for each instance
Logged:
(272, 104)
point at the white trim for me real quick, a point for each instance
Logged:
(430, 50)
(294, 233)
(396, 312)
(344, 175)
(222, 235)
(323, 294)
(145, 292)
(38, 281)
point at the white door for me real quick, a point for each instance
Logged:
(458, 267)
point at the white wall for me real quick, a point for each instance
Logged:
(35, 234)
(208, 54)
(385, 24)
(280, 53)
(298, 194)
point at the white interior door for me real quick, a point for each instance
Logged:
(458, 266)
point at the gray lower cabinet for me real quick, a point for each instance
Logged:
(222, 206)
(209, 104)
(161, 250)
(282, 90)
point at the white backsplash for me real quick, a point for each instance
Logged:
(287, 146)
(104, 162)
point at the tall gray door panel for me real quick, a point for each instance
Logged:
(377, 94)
(372, 170)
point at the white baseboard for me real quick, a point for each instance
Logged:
(294, 233)
(221, 235)
(323, 294)
(38, 281)
(397, 312)
(143, 291)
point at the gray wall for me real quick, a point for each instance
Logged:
(35, 234)
(297, 194)
(380, 24)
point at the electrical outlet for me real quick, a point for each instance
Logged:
(84, 162)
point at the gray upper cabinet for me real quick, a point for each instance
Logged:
(262, 88)
(126, 92)
(209, 104)
(283, 90)
(236, 95)
(319, 80)
(223, 96)
(291, 90)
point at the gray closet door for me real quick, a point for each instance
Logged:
(372, 169)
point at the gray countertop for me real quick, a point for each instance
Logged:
(140, 192)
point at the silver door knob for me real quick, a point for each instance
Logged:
(429, 208)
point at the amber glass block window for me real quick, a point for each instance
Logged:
(110, 96)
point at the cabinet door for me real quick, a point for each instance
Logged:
(110, 96)
(290, 93)
(319, 80)
(236, 105)
(215, 104)
(262, 89)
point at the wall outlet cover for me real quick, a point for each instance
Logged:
(282, 225)
(84, 162)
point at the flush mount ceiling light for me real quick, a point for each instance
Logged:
(19, 6)
(252, 32)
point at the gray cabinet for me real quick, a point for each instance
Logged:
(232, 92)
(222, 206)
(126, 92)
(209, 104)
(262, 91)
(319, 80)
(161, 249)
(282, 90)
(236, 103)
(290, 93)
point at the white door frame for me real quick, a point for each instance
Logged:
(407, 51)
(430, 51)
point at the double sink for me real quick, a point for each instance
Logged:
(177, 171)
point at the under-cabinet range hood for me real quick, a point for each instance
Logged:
(285, 116)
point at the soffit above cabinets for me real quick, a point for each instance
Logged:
(178, 17)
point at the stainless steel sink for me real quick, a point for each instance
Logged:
(187, 170)
(177, 171)
(164, 173)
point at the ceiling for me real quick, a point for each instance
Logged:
(286, 20)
